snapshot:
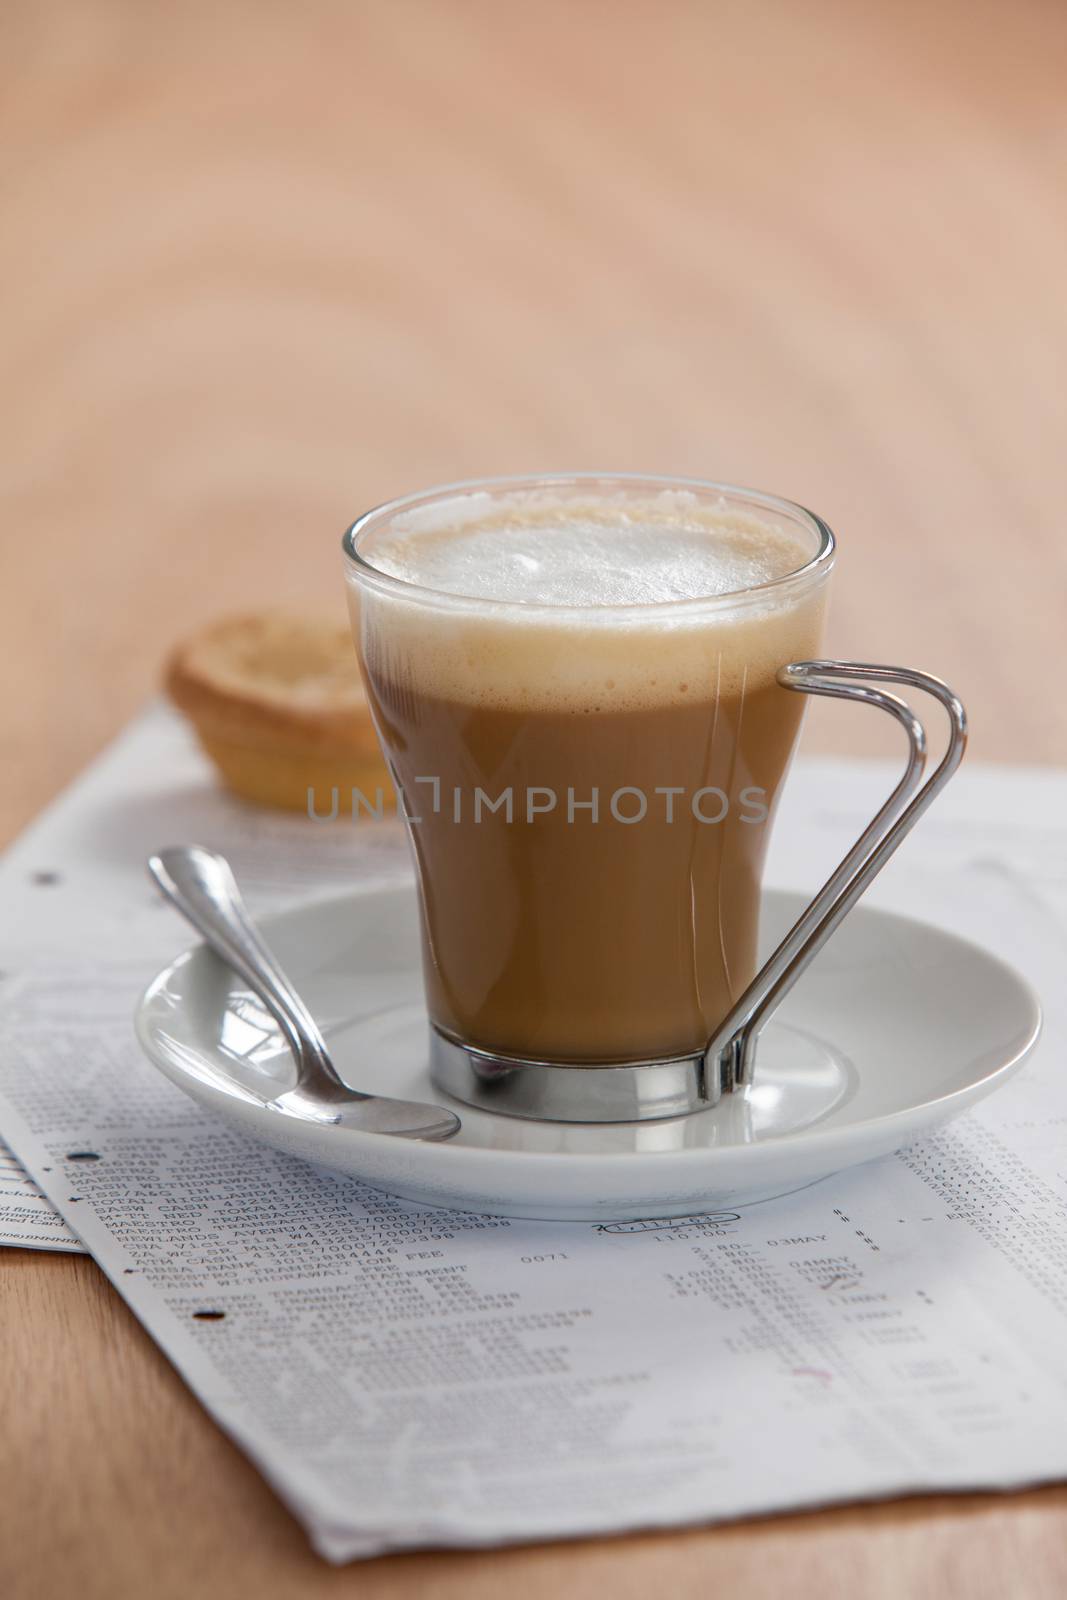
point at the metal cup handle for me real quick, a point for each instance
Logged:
(728, 1060)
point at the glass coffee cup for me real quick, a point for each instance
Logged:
(586, 689)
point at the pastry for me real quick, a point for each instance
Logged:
(277, 703)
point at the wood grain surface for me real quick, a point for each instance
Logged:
(266, 264)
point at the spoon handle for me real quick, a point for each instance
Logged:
(203, 888)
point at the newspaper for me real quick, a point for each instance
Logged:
(27, 1218)
(406, 1376)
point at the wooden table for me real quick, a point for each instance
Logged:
(265, 265)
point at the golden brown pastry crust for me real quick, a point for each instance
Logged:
(278, 705)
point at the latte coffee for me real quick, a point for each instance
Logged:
(574, 683)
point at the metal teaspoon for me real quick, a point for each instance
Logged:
(202, 886)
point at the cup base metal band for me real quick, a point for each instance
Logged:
(513, 1087)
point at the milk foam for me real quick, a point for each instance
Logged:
(584, 555)
(591, 553)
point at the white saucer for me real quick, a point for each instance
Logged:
(895, 1028)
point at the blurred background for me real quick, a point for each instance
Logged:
(267, 264)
